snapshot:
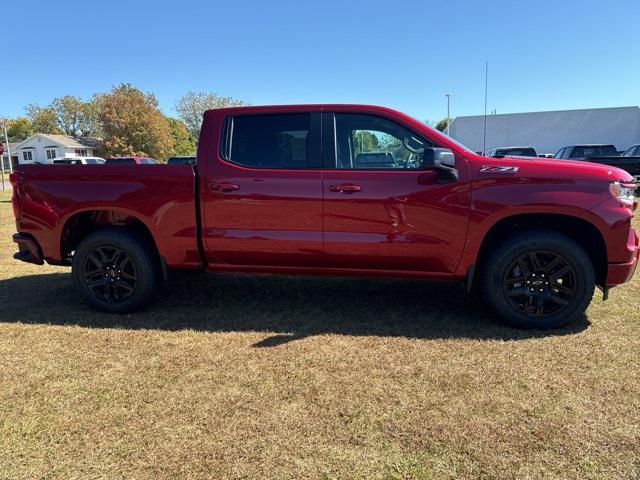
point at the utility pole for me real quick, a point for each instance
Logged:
(448, 95)
(486, 85)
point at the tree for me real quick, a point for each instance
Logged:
(19, 129)
(191, 108)
(132, 124)
(442, 125)
(43, 119)
(68, 111)
(183, 142)
(364, 141)
(75, 117)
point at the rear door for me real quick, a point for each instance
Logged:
(262, 193)
(387, 216)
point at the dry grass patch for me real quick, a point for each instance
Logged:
(236, 376)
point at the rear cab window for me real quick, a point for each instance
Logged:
(272, 141)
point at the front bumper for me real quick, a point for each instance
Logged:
(28, 249)
(618, 273)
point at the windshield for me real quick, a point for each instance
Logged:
(453, 140)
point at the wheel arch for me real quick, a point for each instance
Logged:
(583, 232)
(80, 224)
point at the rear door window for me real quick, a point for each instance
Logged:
(283, 141)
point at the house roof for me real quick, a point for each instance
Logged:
(66, 141)
(73, 142)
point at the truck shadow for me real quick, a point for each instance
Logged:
(287, 307)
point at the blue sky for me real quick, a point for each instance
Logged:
(543, 55)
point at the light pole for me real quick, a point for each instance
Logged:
(448, 95)
(6, 139)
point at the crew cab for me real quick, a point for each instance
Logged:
(280, 189)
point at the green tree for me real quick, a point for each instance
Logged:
(365, 141)
(132, 124)
(183, 142)
(75, 117)
(442, 125)
(19, 129)
(191, 108)
(43, 119)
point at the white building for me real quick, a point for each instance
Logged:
(41, 148)
(548, 132)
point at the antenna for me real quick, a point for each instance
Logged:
(486, 84)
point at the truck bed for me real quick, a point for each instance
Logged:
(52, 199)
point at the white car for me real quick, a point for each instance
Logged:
(79, 160)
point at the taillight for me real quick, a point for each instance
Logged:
(16, 179)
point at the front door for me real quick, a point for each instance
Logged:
(263, 192)
(381, 210)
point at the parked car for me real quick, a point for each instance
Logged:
(584, 152)
(607, 155)
(182, 161)
(513, 152)
(632, 151)
(79, 160)
(274, 191)
(131, 161)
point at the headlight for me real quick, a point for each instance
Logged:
(623, 192)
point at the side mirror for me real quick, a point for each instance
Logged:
(443, 160)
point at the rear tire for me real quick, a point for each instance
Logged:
(538, 279)
(115, 270)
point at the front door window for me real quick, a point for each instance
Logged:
(368, 142)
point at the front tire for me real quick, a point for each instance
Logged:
(538, 279)
(115, 270)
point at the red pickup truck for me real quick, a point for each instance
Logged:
(336, 190)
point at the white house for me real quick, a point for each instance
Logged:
(42, 148)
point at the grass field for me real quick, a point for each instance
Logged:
(275, 377)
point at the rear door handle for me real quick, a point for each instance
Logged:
(345, 188)
(223, 187)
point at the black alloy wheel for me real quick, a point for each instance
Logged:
(538, 279)
(540, 283)
(110, 274)
(116, 269)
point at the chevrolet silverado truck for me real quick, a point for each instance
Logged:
(291, 190)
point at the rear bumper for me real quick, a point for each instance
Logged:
(618, 273)
(28, 249)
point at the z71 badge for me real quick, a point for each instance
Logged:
(498, 169)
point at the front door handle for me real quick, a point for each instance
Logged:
(345, 188)
(223, 187)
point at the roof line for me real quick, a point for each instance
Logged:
(548, 111)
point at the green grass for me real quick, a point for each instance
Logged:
(234, 376)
